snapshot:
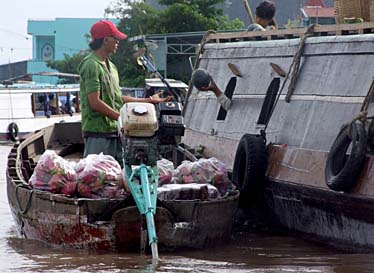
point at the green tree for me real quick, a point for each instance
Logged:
(139, 18)
(68, 65)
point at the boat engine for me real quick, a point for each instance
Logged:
(148, 131)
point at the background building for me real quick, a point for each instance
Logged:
(51, 40)
(11, 70)
(316, 12)
(174, 53)
(54, 38)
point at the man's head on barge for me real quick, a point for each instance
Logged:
(265, 13)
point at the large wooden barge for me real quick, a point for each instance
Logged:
(299, 133)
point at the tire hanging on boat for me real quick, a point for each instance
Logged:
(13, 131)
(249, 168)
(342, 169)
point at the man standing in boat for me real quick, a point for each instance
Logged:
(101, 97)
(265, 13)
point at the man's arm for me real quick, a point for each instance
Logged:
(98, 105)
(221, 97)
(132, 99)
(152, 99)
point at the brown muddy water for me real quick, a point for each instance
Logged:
(248, 252)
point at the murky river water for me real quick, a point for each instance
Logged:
(248, 252)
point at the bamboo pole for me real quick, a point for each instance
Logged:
(249, 12)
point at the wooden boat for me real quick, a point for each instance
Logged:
(103, 224)
(303, 98)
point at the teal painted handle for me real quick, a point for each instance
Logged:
(149, 208)
(145, 196)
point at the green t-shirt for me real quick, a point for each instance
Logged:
(95, 76)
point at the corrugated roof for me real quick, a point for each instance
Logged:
(319, 12)
(315, 3)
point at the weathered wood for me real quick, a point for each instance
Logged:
(320, 30)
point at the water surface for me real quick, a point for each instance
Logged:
(248, 252)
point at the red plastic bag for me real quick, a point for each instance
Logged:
(100, 176)
(202, 171)
(54, 174)
(165, 171)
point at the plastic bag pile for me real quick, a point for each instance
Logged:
(101, 176)
(54, 174)
(202, 179)
(96, 176)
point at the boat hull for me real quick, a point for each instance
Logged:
(327, 87)
(105, 224)
(69, 223)
(335, 218)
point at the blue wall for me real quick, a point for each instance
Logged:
(54, 38)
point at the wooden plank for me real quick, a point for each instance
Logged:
(323, 30)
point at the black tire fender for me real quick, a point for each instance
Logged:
(342, 170)
(13, 131)
(249, 167)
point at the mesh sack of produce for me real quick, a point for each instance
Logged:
(100, 176)
(165, 171)
(54, 174)
(204, 170)
(220, 179)
(182, 174)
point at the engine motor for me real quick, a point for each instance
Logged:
(149, 130)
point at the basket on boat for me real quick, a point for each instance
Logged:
(354, 8)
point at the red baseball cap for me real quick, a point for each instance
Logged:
(105, 28)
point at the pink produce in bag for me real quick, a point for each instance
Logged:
(54, 174)
(202, 171)
(100, 176)
(165, 171)
(182, 174)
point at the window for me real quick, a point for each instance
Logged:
(229, 91)
(269, 101)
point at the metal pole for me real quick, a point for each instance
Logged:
(149, 211)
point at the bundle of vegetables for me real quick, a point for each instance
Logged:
(54, 174)
(100, 176)
(191, 191)
(165, 171)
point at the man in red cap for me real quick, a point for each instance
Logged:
(101, 97)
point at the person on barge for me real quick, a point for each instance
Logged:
(265, 13)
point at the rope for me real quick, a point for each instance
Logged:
(296, 61)
(11, 106)
(368, 98)
(362, 116)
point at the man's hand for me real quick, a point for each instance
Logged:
(212, 87)
(156, 98)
